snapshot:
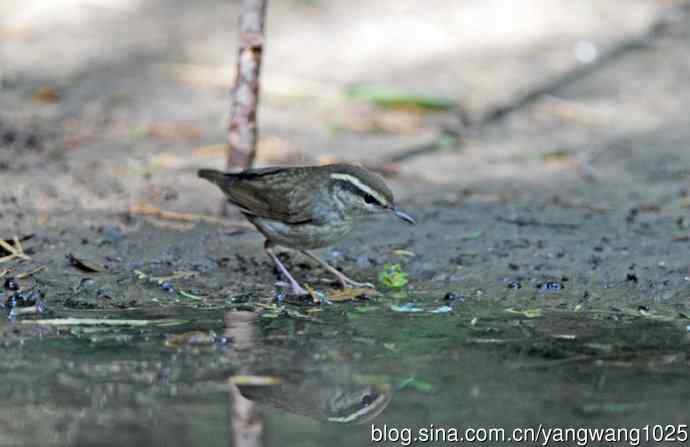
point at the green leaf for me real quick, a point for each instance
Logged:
(416, 384)
(472, 236)
(395, 97)
(528, 313)
(393, 276)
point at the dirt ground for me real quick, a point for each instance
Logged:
(589, 182)
(549, 270)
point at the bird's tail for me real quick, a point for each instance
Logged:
(213, 176)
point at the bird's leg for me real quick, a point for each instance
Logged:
(342, 279)
(294, 285)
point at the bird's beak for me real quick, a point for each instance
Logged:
(404, 216)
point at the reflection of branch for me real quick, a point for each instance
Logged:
(614, 53)
(247, 426)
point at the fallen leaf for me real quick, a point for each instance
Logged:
(84, 265)
(245, 379)
(212, 150)
(406, 308)
(416, 384)
(191, 296)
(351, 294)
(442, 310)
(174, 130)
(403, 253)
(189, 338)
(528, 313)
(472, 236)
(399, 98)
(393, 276)
(45, 94)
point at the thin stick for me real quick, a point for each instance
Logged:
(31, 273)
(152, 211)
(14, 252)
(242, 133)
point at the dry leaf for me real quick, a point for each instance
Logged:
(174, 130)
(403, 253)
(211, 150)
(83, 264)
(351, 294)
(188, 338)
(45, 94)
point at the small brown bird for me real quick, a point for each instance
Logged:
(306, 207)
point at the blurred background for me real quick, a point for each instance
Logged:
(110, 104)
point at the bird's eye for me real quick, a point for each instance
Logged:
(370, 200)
(369, 399)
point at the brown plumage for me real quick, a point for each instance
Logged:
(305, 207)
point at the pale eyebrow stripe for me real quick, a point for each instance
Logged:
(362, 411)
(355, 181)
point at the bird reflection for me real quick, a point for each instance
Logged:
(333, 391)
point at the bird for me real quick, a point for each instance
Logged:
(306, 207)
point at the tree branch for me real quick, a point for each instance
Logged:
(242, 132)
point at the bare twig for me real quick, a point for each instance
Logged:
(152, 211)
(31, 273)
(15, 252)
(242, 134)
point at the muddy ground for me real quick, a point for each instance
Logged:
(574, 207)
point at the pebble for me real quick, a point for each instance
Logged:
(552, 286)
(11, 284)
(452, 296)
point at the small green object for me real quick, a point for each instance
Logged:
(191, 296)
(406, 308)
(472, 236)
(393, 276)
(416, 384)
(395, 97)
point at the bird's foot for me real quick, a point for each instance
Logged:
(297, 290)
(346, 282)
(294, 289)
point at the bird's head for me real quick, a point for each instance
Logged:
(362, 192)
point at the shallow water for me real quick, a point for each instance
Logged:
(341, 369)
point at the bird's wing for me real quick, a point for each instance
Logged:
(270, 193)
